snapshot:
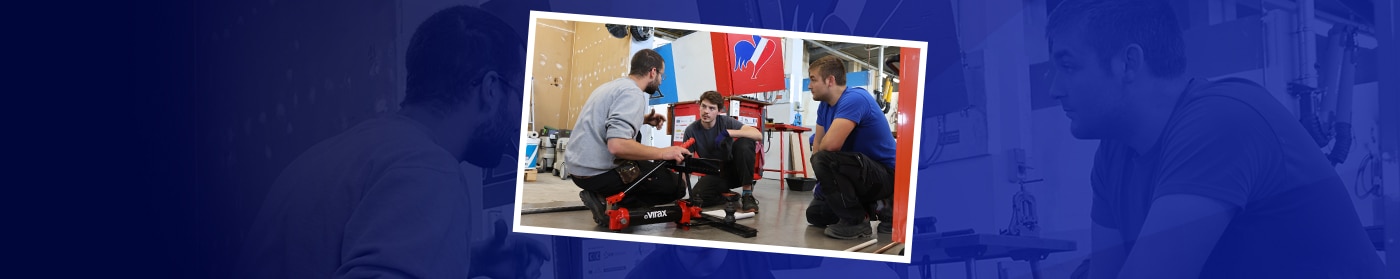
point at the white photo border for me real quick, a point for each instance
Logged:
(911, 168)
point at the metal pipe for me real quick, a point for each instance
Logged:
(1341, 125)
(887, 247)
(880, 76)
(1346, 81)
(529, 211)
(1388, 80)
(819, 52)
(1330, 73)
(862, 245)
(844, 55)
(1290, 6)
(1306, 44)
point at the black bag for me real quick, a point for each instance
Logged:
(628, 171)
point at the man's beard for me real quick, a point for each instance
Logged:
(489, 145)
(498, 136)
(652, 88)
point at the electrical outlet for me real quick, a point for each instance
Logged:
(955, 136)
(494, 215)
(1020, 167)
(949, 137)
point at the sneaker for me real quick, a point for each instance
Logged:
(748, 204)
(596, 205)
(843, 230)
(885, 227)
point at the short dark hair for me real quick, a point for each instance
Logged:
(713, 97)
(452, 50)
(830, 66)
(645, 60)
(1111, 25)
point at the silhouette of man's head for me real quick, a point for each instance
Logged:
(465, 66)
(1099, 47)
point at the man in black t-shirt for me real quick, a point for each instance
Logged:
(723, 138)
(1194, 178)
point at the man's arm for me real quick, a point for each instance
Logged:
(632, 150)
(1178, 236)
(746, 132)
(819, 133)
(1212, 160)
(1108, 252)
(691, 133)
(836, 136)
(620, 129)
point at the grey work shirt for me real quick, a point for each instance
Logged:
(615, 110)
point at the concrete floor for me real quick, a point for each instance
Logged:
(781, 219)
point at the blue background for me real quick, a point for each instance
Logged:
(668, 83)
(144, 136)
(259, 81)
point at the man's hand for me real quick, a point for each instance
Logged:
(721, 136)
(834, 137)
(654, 119)
(507, 256)
(673, 153)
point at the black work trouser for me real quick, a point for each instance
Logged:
(737, 171)
(661, 187)
(850, 184)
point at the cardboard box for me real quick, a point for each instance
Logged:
(531, 175)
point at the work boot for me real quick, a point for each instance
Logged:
(848, 230)
(749, 203)
(596, 205)
(885, 213)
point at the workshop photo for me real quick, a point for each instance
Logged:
(719, 137)
(1164, 139)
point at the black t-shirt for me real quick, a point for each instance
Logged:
(1231, 141)
(705, 144)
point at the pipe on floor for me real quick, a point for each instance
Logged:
(552, 209)
(862, 245)
(887, 247)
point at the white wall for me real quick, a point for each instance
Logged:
(695, 65)
(976, 192)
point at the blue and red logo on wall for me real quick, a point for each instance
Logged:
(747, 64)
(754, 53)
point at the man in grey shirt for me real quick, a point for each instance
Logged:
(606, 136)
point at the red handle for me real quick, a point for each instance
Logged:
(687, 143)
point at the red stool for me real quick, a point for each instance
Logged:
(787, 128)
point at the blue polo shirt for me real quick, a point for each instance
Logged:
(872, 135)
(1231, 141)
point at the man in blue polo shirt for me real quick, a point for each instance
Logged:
(1193, 178)
(854, 162)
